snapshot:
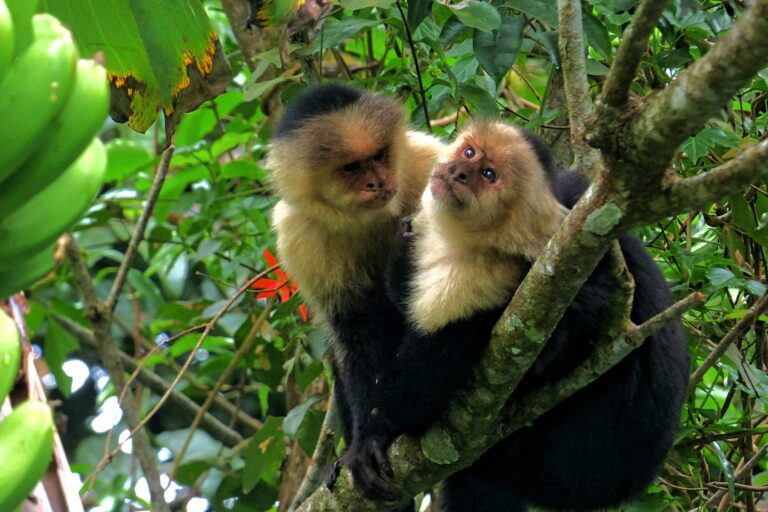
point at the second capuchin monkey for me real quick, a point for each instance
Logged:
(491, 207)
(347, 168)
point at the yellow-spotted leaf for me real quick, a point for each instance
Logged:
(159, 55)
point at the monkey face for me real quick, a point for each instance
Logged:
(491, 178)
(346, 160)
(370, 182)
(464, 180)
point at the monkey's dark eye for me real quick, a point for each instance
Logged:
(489, 174)
(380, 155)
(350, 168)
(469, 153)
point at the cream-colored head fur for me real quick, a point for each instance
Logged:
(469, 256)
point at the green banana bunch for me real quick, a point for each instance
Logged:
(34, 90)
(54, 209)
(26, 447)
(21, 12)
(7, 40)
(10, 354)
(26, 272)
(78, 122)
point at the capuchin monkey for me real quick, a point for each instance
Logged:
(347, 168)
(491, 207)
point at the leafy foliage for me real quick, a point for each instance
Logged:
(210, 232)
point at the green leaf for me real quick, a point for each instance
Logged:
(548, 40)
(59, 343)
(146, 288)
(295, 416)
(479, 100)
(719, 277)
(417, 11)
(544, 11)
(153, 60)
(125, 158)
(309, 431)
(743, 217)
(451, 30)
(243, 169)
(336, 31)
(477, 14)
(597, 34)
(496, 51)
(356, 5)
(264, 454)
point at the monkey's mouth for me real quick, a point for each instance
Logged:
(443, 190)
(372, 199)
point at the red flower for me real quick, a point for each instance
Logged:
(281, 286)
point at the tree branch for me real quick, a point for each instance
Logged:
(101, 318)
(737, 331)
(683, 107)
(571, 42)
(603, 358)
(324, 448)
(630, 52)
(141, 226)
(245, 348)
(153, 381)
(729, 178)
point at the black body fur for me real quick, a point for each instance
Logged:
(602, 446)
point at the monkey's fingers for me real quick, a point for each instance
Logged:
(333, 474)
(368, 479)
(379, 452)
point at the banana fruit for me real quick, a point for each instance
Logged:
(26, 447)
(7, 40)
(21, 12)
(79, 120)
(54, 209)
(25, 272)
(34, 90)
(10, 354)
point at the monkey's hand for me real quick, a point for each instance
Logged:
(372, 473)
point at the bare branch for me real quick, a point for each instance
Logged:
(323, 451)
(736, 332)
(245, 349)
(141, 226)
(683, 107)
(101, 318)
(729, 178)
(630, 52)
(745, 470)
(153, 381)
(572, 51)
(415, 56)
(604, 357)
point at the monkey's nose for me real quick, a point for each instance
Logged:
(457, 172)
(374, 184)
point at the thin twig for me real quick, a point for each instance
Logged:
(736, 332)
(633, 42)
(141, 226)
(100, 317)
(324, 448)
(745, 470)
(244, 349)
(153, 381)
(138, 429)
(571, 42)
(422, 91)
